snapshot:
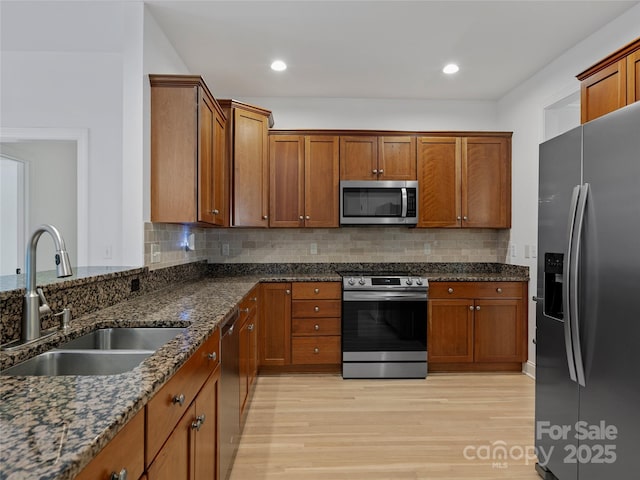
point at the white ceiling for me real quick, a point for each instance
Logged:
(375, 49)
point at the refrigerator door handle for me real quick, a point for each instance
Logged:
(566, 280)
(574, 286)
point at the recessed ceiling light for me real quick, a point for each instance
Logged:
(278, 66)
(450, 68)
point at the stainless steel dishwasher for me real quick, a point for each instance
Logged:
(229, 395)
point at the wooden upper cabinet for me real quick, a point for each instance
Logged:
(633, 77)
(304, 181)
(611, 83)
(377, 158)
(486, 182)
(439, 181)
(247, 149)
(465, 181)
(187, 146)
(286, 162)
(396, 158)
(359, 158)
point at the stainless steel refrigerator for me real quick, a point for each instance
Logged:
(588, 301)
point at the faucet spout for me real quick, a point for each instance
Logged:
(32, 299)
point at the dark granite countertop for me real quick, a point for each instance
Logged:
(51, 427)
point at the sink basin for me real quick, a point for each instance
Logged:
(123, 339)
(61, 362)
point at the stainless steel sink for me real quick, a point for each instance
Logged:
(123, 339)
(69, 362)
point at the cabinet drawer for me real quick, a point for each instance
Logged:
(172, 401)
(315, 350)
(475, 289)
(315, 326)
(125, 451)
(315, 308)
(320, 290)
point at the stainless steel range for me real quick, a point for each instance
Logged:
(384, 325)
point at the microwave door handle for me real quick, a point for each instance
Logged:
(404, 202)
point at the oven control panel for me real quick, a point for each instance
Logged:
(400, 282)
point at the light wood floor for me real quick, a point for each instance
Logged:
(449, 426)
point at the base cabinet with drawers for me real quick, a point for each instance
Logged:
(477, 326)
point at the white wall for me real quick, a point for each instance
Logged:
(522, 110)
(62, 67)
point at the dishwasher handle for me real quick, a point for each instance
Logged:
(229, 325)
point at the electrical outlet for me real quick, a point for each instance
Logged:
(225, 249)
(156, 254)
(427, 248)
(514, 252)
(527, 249)
(313, 249)
(534, 251)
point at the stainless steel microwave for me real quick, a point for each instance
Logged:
(378, 202)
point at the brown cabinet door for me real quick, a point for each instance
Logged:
(359, 158)
(206, 434)
(275, 328)
(286, 162)
(486, 182)
(633, 77)
(450, 331)
(250, 172)
(397, 158)
(322, 181)
(439, 177)
(176, 458)
(220, 173)
(604, 91)
(206, 167)
(174, 153)
(498, 329)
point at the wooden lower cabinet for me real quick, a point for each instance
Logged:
(477, 326)
(248, 360)
(275, 325)
(125, 453)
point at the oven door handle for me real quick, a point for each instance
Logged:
(383, 296)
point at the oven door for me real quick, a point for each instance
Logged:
(384, 326)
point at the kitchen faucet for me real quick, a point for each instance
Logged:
(34, 304)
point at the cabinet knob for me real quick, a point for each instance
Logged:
(307, 217)
(499, 290)
(215, 211)
(316, 350)
(251, 327)
(375, 171)
(198, 422)
(178, 399)
(254, 299)
(119, 476)
(465, 218)
(244, 310)
(459, 217)
(316, 290)
(316, 327)
(265, 217)
(316, 309)
(380, 171)
(212, 356)
(477, 307)
(287, 291)
(450, 290)
(470, 307)
(301, 217)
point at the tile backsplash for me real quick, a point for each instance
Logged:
(355, 244)
(170, 240)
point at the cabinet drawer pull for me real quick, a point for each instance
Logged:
(375, 171)
(316, 350)
(265, 217)
(288, 292)
(316, 327)
(301, 217)
(470, 307)
(244, 310)
(250, 327)
(316, 309)
(307, 217)
(212, 356)
(254, 299)
(499, 290)
(465, 218)
(381, 171)
(178, 399)
(119, 476)
(215, 211)
(450, 290)
(459, 217)
(477, 307)
(198, 422)
(316, 290)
